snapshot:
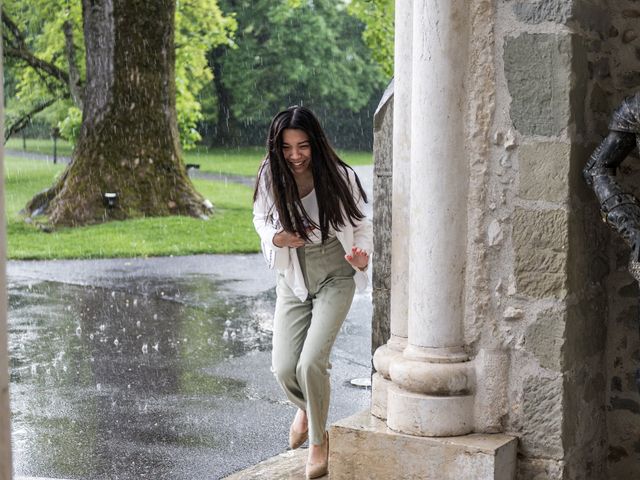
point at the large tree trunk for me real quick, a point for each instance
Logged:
(129, 142)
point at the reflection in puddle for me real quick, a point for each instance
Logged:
(105, 380)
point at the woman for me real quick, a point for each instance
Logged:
(308, 211)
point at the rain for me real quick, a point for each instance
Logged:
(157, 369)
(158, 365)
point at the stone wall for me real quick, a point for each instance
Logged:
(614, 71)
(5, 417)
(560, 68)
(551, 315)
(535, 244)
(382, 189)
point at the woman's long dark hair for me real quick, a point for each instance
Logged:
(330, 178)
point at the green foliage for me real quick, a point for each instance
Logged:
(378, 15)
(42, 21)
(296, 52)
(200, 26)
(70, 125)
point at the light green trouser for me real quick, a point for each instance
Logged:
(304, 332)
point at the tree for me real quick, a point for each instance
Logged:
(378, 15)
(290, 52)
(128, 143)
(45, 62)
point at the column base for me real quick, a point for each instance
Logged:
(363, 447)
(428, 415)
(379, 393)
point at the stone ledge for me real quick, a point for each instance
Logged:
(362, 446)
(286, 466)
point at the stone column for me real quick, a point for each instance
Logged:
(432, 386)
(400, 215)
(5, 417)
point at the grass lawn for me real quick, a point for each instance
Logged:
(40, 145)
(246, 160)
(236, 161)
(230, 230)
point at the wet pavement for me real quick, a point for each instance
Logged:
(156, 368)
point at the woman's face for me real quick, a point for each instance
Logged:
(296, 150)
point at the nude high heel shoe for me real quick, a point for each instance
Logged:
(316, 470)
(297, 438)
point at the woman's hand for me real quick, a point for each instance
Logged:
(358, 258)
(287, 239)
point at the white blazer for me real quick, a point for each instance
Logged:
(285, 259)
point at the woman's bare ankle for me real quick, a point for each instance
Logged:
(318, 453)
(300, 422)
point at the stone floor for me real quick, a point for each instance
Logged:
(286, 466)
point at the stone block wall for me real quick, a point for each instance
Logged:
(548, 299)
(539, 284)
(614, 72)
(522, 305)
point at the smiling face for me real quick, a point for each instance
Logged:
(296, 150)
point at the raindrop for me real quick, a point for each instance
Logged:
(156, 347)
(103, 327)
(91, 336)
(225, 335)
(34, 369)
(135, 302)
(233, 335)
(155, 316)
(138, 323)
(113, 294)
(116, 342)
(99, 387)
(79, 331)
(145, 348)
